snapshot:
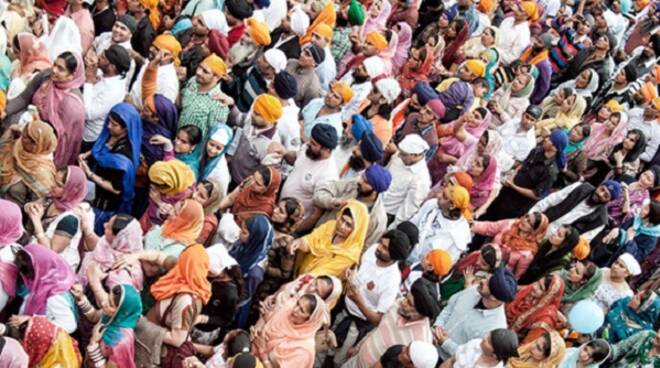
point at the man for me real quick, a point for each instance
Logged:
(121, 33)
(367, 152)
(402, 324)
(573, 37)
(422, 93)
(418, 354)
(493, 350)
(165, 49)
(249, 148)
(424, 125)
(411, 180)
(514, 31)
(617, 23)
(519, 137)
(327, 70)
(100, 94)
(313, 166)
(198, 105)
(621, 89)
(103, 15)
(379, 105)
(580, 205)
(285, 87)
(443, 223)
(646, 119)
(457, 94)
(303, 70)
(537, 54)
(473, 312)
(371, 291)
(360, 81)
(286, 37)
(327, 110)
(349, 16)
(236, 11)
(434, 266)
(366, 188)
(84, 22)
(373, 44)
(194, 40)
(599, 59)
(144, 34)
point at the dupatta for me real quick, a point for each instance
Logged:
(33, 55)
(575, 293)
(166, 126)
(600, 139)
(118, 329)
(516, 240)
(409, 77)
(451, 54)
(248, 254)
(624, 321)
(189, 275)
(49, 346)
(52, 276)
(525, 359)
(527, 310)
(11, 229)
(403, 47)
(250, 202)
(186, 226)
(379, 22)
(220, 131)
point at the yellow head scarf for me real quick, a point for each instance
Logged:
(532, 10)
(169, 43)
(525, 360)
(477, 67)
(216, 64)
(328, 16)
(154, 14)
(173, 176)
(460, 197)
(614, 106)
(268, 107)
(378, 40)
(324, 30)
(258, 30)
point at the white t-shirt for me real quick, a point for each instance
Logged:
(469, 353)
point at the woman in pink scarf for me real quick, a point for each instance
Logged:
(62, 107)
(606, 135)
(11, 229)
(483, 171)
(33, 58)
(402, 49)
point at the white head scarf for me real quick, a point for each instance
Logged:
(388, 88)
(276, 59)
(299, 21)
(64, 37)
(219, 258)
(374, 66)
(215, 20)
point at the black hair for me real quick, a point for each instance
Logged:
(385, 110)
(489, 254)
(236, 276)
(567, 92)
(654, 213)
(208, 186)
(116, 292)
(347, 212)
(312, 302)
(390, 358)
(265, 173)
(480, 81)
(245, 360)
(590, 270)
(616, 113)
(329, 281)
(536, 219)
(24, 263)
(482, 111)
(601, 350)
(239, 344)
(547, 348)
(458, 23)
(586, 130)
(193, 132)
(486, 160)
(638, 149)
(15, 43)
(118, 119)
(388, 35)
(121, 221)
(70, 61)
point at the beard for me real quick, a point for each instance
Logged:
(241, 54)
(312, 155)
(356, 164)
(359, 79)
(380, 257)
(364, 193)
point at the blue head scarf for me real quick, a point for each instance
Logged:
(166, 126)
(560, 140)
(213, 162)
(249, 253)
(128, 312)
(181, 25)
(111, 160)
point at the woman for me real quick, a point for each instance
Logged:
(590, 355)
(473, 48)
(576, 163)
(547, 351)
(48, 345)
(622, 163)
(256, 195)
(630, 315)
(57, 214)
(404, 32)
(511, 100)
(469, 270)
(171, 181)
(112, 164)
(634, 196)
(336, 245)
(606, 135)
(580, 282)
(518, 238)
(11, 229)
(214, 161)
(562, 110)
(553, 254)
(585, 85)
(379, 11)
(179, 231)
(483, 171)
(28, 172)
(416, 69)
(159, 117)
(287, 339)
(637, 236)
(536, 308)
(208, 194)
(32, 58)
(615, 285)
(456, 35)
(639, 350)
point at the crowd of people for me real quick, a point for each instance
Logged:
(319, 183)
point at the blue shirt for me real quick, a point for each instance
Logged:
(311, 118)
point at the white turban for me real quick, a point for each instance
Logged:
(631, 264)
(423, 354)
(388, 88)
(228, 229)
(413, 144)
(374, 66)
(219, 258)
(221, 136)
(299, 21)
(276, 59)
(215, 20)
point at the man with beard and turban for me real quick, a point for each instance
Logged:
(492, 350)
(360, 80)
(580, 205)
(194, 39)
(471, 313)
(378, 107)
(145, 33)
(366, 188)
(349, 16)
(367, 152)
(421, 94)
(327, 70)
(286, 37)
(100, 94)
(164, 52)
(423, 124)
(371, 291)
(373, 44)
(407, 321)
(236, 11)
(328, 109)
(303, 70)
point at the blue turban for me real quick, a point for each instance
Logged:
(378, 177)
(325, 135)
(285, 85)
(452, 12)
(424, 92)
(371, 147)
(560, 140)
(503, 285)
(359, 126)
(614, 188)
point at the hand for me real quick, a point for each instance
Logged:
(282, 240)
(391, 148)
(354, 37)
(265, 308)
(166, 209)
(614, 233)
(508, 182)
(159, 140)
(125, 261)
(352, 292)
(439, 335)
(77, 291)
(351, 352)
(35, 210)
(85, 167)
(224, 99)
(618, 157)
(468, 276)
(17, 320)
(276, 148)
(192, 362)
(156, 60)
(630, 234)
(201, 319)
(339, 203)
(561, 318)
(294, 246)
(95, 272)
(96, 333)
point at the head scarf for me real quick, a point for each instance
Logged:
(450, 53)
(378, 22)
(344, 90)
(410, 230)
(631, 264)
(424, 92)
(13, 355)
(215, 20)
(33, 55)
(328, 15)
(166, 126)
(460, 198)
(324, 31)
(118, 56)
(355, 13)
(532, 10)
(560, 140)
(486, 181)
(65, 36)
(276, 59)
(526, 309)
(623, 321)
(547, 258)
(476, 67)
(601, 140)
(188, 276)
(575, 293)
(374, 66)
(187, 225)
(516, 240)
(402, 48)
(413, 144)
(169, 43)
(463, 179)
(11, 226)
(75, 189)
(258, 30)
(248, 254)
(172, 176)
(360, 126)
(249, 202)
(388, 88)
(223, 135)
(216, 64)
(52, 276)
(649, 91)
(219, 258)
(440, 260)
(557, 351)
(299, 20)
(423, 354)
(378, 177)
(40, 335)
(126, 316)
(268, 107)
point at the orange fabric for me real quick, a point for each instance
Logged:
(149, 82)
(324, 30)
(527, 311)
(532, 10)
(249, 202)
(188, 276)
(440, 260)
(382, 128)
(649, 91)
(582, 249)
(515, 239)
(328, 16)
(187, 225)
(536, 59)
(657, 74)
(487, 6)
(464, 179)
(378, 40)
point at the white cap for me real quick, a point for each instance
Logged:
(374, 66)
(276, 59)
(423, 354)
(219, 259)
(413, 144)
(631, 264)
(388, 88)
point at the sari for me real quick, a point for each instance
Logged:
(105, 254)
(402, 48)
(118, 330)
(188, 276)
(166, 126)
(52, 276)
(409, 77)
(65, 111)
(289, 344)
(622, 321)
(575, 293)
(326, 258)
(11, 229)
(525, 359)
(175, 183)
(249, 202)
(177, 232)
(530, 316)
(35, 169)
(50, 346)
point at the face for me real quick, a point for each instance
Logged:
(548, 146)
(426, 116)
(60, 73)
(603, 43)
(279, 213)
(205, 75)
(619, 269)
(107, 230)
(319, 40)
(585, 354)
(134, 6)
(620, 77)
(630, 141)
(29, 145)
(538, 349)
(242, 51)
(115, 128)
(201, 195)
(314, 150)
(245, 233)
(364, 188)
(374, 9)
(558, 236)
(333, 99)
(120, 33)
(520, 82)
(576, 134)
(213, 148)
(301, 311)
(476, 167)
(320, 287)
(199, 28)
(259, 184)
(526, 223)
(636, 301)
(539, 288)
(487, 37)
(647, 179)
(484, 289)
(407, 308)
(527, 121)
(414, 60)
(613, 121)
(111, 308)
(604, 113)
(487, 345)
(576, 273)
(167, 55)
(306, 60)
(582, 79)
(182, 143)
(443, 21)
(409, 158)
(344, 226)
(482, 144)
(383, 250)
(602, 194)
(265, 68)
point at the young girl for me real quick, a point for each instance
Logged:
(213, 162)
(186, 146)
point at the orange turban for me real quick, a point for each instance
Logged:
(464, 179)
(154, 14)
(324, 30)
(3, 100)
(328, 16)
(656, 103)
(649, 91)
(657, 73)
(487, 6)
(614, 106)
(169, 43)
(259, 32)
(344, 90)
(268, 107)
(641, 4)
(477, 67)
(216, 64)
(460, 197)
(378, 40)
(532, 10)
(440, 260)
(582, 249)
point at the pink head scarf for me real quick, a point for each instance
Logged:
(13, 355)
(33, 55)
(52, 276)
(379, 22)
(484, 184)
(11, 227)
(402, 49)
(599, 141)
(75, 189)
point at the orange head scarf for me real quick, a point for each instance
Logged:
(188, 276)
(249, 202)
(515, 239)
(187, 225)
(532, 10)
(154, 14)
(328, 16)
(649, 91)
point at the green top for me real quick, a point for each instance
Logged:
(634, 352)
(200, 109)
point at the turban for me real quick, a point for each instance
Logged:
(276, 59)
(426, 298)
(502, 285)
(389, 88)
(258, 30)
(437, 107)
(299, 21)
(325, 135)
(625, 6)
(656, 103)
(360, 126)
(374, 66)
(657, 73)
(614, 188)
(464, 179)
(317, 52)
(128, 21)
(560, 140)
(582, 249)
(378, 40)
(614, 106)
(423, 354)
(649, 91)
(411, 230)
(215, 20)
(169, 43)
(356, 14)
(118, 56)
(460, 197)
(440, 260)
(343, 89)
(154, 14)
(378, 177)
(487, 6)
(631, 264)
(399, 247)
(262, 4)
(413, 144)
(239, 9)
(324, 31)
(218, 44)
(173, 175)
(505, 343)
(216, 64)
(476, 67)
(371, 147)
(424, 92)
(531, 9)
(285, 85)
(268, 107)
